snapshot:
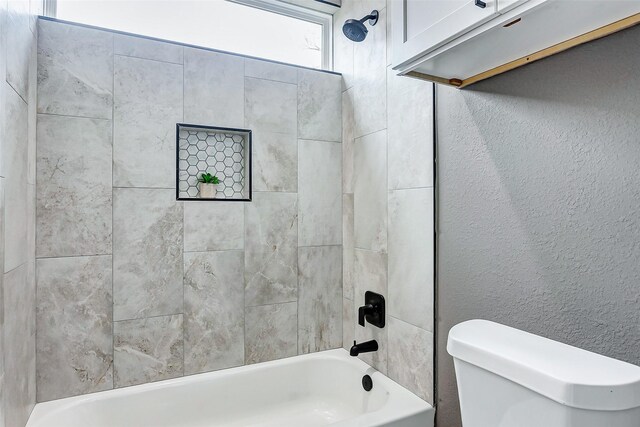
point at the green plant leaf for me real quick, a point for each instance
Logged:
(207, 178)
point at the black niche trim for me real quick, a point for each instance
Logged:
(246, 161)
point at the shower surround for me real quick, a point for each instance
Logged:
(134, 286)
(387, 199)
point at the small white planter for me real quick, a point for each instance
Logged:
(208, 191)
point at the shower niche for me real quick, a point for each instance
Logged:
(224, 153)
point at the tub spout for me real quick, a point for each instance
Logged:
(363, 347)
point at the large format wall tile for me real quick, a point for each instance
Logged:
(389, 19)
(147, 106)
(370, 192)
(2, 225)
(270, 106)
(271, 240)
(342, 46)
(147, 350)
(411, 256)
(142, 47)
(319, 193)
(32, 101)
(31, 228)
(15, 159)
(74, 325)
(410, 132)
(75, 70)
(370, 100)
(213, 88)
(348, 248)
(147, 253)
(319, 298)
(74, 186)
(348, 323)
(2, 346)
(371, 275)
(270, 71)
(20, 346)
(30, 220)
(319, 105)
(270, 332)
(213, 226)
(214, 311)
(19, 38)
(348, 128)
(275, 161)
(36, 9)
(411, 357)
(3, 102)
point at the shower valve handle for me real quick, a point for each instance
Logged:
(363, 311)
(373, 310)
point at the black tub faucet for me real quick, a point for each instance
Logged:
(363, 347)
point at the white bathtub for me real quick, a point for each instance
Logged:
(312, 390)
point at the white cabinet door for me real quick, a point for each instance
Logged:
(504, 5)
(420, 26)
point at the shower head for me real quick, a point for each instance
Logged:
(355, 29)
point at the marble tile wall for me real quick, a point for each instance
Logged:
(18, 71)
(387, 200)
(134, 286)
(80, 338)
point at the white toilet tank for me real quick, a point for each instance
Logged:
(511, 378)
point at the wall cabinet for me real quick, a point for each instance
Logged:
(426, 24)
(460, 42)
(504, 5)
(430, 23)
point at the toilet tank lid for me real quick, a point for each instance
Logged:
(566, 374)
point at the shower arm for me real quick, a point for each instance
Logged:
(368, 17)
(372, 18)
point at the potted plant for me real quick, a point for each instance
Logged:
(208, 186)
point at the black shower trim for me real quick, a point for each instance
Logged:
(434, 105)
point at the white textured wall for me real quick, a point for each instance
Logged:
(539, 216)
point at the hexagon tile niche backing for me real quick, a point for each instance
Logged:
(223, 152)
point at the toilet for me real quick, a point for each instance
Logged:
(510, 378)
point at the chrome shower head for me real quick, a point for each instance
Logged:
(355, 29)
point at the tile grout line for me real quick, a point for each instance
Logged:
(122, 55)
(244, 223)
(386, 129)
(184, 305)
(155, 316)
(270, 80)
(72, 256)
(427, 187)
(409, 323)
(113, 117)
(298, 213)
(72, 116)
(33, 109)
